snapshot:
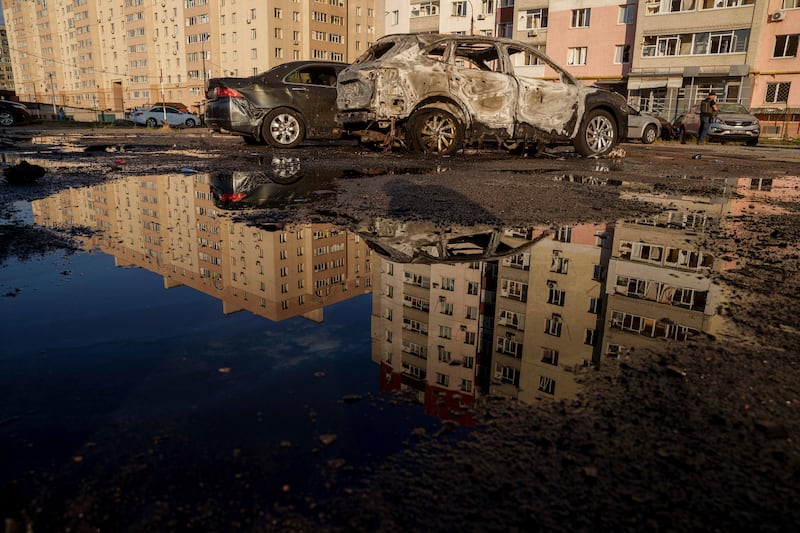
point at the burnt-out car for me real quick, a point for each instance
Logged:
(282, 106)
(436, 93)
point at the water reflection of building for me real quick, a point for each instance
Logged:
(659, 286)
(548, 313)
(170, 225)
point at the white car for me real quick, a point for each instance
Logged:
(642, 126)
(155, 116)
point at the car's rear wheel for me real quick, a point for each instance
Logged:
(283, 128)
(598, 135)
(190, 123)
(649, 135)
(151, 122)
(436, 131)
(7, 119)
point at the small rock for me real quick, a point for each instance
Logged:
(327, 439)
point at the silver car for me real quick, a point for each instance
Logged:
(733, 123)
(642, 126)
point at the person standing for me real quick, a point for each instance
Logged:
(708, 110)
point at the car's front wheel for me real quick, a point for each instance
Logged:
(151, 122)
(190, 123)
(436, 131)
(283, 128)
(6, 119)
(598, 135)
(649, 135)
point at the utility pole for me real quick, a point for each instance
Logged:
(52, 91)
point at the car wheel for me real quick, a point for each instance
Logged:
(752, 142)
(7, 119)
(190, 123)
(436, 131)
(597, 135)
(283, 128)
(649, 135)
(151, 122)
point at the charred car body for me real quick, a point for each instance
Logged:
(283, 106)
(436, 92)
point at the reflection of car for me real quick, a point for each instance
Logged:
(642, 126)
(277, 184)
(282, 106)
(732, 123)
(436, 92)
(12, 113)
(154, 116)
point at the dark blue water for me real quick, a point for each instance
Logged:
(108, 377)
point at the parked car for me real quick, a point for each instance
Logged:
(183, 108)
(154, 116)
(12, 113)
(283, 106)
(733, 122)
(438, 92)
(642, 126)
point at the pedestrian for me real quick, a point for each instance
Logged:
(61, 114)
(708, 110)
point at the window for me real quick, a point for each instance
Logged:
(594, 305)
(506, 374)
(534, 19)
(558, 263)
(469, 337)
(580, 18)
(556, 297)
(278, 13)
(785, 46)
(459, 9)
(564, 233)
(466, 385)
(472, 312)
(445, 332)
(473, 287)
(590, 337)
(553, 326)
(446, 308)
(627, 14)
(468, 361)
(622, 54)
(511, 319)
(777, 92)
(508, 345)
(791, 4)
(442, 379)
(547, 385)
(550, 356)
(444, 355)
(514, 289)
(448, 284)
(598, 272)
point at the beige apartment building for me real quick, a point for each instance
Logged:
(170, 225)
(112, 55)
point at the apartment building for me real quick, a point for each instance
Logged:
(664, 55)
(6, 70)
(114, 55)
(170, 225)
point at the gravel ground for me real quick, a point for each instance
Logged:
(704, 438)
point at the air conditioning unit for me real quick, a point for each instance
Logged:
(777, 16)
(481, 16)
(295, 43)
(533, 33)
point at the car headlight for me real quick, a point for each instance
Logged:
(756, 122)
(716, 120)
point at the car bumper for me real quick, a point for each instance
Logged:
(726, 134)
(233, 116)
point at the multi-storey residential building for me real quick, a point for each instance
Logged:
(104, 55)
(6, 71)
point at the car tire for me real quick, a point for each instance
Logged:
(151, 122)
(598, 134)
(283, 128)
(649, 135)
(7, 119)
(190, 123)
(751, 142)
(435, 131)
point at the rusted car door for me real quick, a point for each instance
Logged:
(551, 105)
(477, 76)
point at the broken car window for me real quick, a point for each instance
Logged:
(481, 56)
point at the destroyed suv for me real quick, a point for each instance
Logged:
(437, 93)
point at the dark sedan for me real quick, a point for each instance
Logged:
(12, 113)
(283, 106)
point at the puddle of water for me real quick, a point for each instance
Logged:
(184, 342)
